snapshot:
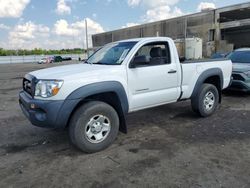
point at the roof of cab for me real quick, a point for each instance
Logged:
(143, 39)
(242, 49)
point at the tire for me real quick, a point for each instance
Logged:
(206, 101)
(84, 124)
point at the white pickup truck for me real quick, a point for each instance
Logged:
(93, 98)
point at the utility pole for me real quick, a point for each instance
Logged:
(87, 41)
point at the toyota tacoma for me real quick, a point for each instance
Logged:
(93, 98)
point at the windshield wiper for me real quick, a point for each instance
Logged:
(86, 62)
(100, 63)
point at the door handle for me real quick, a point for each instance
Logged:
(172, 71)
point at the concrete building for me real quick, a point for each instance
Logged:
(221, 29)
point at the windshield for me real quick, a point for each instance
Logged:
(111, 54)
(240, 56)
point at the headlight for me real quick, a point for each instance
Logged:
(48, 88)
(247, 73)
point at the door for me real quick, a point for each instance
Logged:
(152, 77)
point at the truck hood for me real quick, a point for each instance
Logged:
(64, 71)
(241, 67)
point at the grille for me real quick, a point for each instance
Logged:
(238, 77)
(27, 86)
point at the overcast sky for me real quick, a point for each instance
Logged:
(56, 24)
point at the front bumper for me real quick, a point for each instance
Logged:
(240, 86)
(41, 113)
(240, 82)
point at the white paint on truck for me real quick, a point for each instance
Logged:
(93, 99)
(145, 87)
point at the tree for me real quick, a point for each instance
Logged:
(39, 51)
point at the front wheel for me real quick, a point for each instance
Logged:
(94, 126)
(206, 102)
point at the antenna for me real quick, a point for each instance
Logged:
(86, 32)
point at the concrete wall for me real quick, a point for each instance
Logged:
(228, 18)
(204, 25)
(232, 36)
(197, 25)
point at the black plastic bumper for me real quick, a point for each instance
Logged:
(46, 113)
(240, 86)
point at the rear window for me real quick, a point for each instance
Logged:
(240, 56)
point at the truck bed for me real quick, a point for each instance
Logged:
(203, 60)
(192, 70)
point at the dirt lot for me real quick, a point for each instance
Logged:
(168, 146)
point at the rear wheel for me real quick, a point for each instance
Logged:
(206, 102)
(94, 126)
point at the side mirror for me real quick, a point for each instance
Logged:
(138, 60)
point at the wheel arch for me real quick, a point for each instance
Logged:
(111, 92)
(212, 76)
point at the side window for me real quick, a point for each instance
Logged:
(152, 54)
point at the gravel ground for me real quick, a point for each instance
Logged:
(167, 146)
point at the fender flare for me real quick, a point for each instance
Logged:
(206, 74)
(102, 87)
(83, 92)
